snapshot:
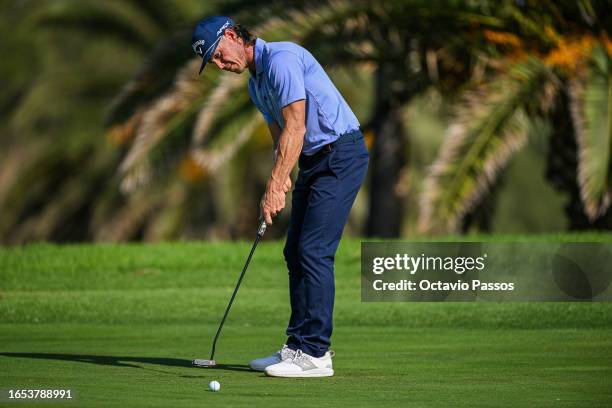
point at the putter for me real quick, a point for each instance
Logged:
(211, 362)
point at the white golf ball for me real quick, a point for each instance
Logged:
(214, 386)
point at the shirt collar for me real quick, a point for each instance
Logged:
(259, 48)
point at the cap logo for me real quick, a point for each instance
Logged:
(223, 27)
(198, 47)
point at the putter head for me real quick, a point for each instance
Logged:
(203, 363)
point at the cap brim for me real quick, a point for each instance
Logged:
(207, 55)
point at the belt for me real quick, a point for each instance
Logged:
(351, 136)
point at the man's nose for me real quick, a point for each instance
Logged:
(219, 64)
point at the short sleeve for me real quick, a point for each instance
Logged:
(253, 95)
(287, 78)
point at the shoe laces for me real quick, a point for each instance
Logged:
(299, 356)
(286, 353)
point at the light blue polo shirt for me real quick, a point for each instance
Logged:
(287, 72)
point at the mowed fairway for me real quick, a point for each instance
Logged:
(120, 324)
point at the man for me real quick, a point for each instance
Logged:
(309, 121)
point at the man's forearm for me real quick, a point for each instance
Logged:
(275, 132)
(275, 140)
(288, 152)
(290, 142)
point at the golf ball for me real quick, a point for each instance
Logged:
(214, 386)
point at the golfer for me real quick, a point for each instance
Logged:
(311, 124)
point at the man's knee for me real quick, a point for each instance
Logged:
(312, 256)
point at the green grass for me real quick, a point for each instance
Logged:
(119, 325)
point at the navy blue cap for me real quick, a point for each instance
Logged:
(206, 36)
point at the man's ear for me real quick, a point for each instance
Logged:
(232, 35)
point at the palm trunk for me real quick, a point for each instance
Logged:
(387, 159)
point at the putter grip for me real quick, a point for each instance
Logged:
(262, 228)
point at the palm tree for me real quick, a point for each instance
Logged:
(550, 62)
(56, 174)
(394, 40)
(184, 142)
(197, 124)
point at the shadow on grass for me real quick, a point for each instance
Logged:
(131, 362)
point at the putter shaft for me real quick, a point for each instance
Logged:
(260, 232)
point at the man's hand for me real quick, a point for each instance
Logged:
(273, 201)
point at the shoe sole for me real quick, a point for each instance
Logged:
(328, 372)
(261, 368)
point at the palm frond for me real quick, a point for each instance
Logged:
(121, 19)
(125, 223)
(212, 158)
(155, 77)
(161, 118)
(490, 127)
(167, 13)
(137, 23)
(220, 97)
(591, 108)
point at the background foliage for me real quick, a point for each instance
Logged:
(480, 116)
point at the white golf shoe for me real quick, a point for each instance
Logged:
(260, 364)
(303, 365)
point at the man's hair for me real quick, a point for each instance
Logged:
(245, 34)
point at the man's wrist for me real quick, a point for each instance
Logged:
(274, 185)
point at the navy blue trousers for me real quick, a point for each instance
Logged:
(325, 190)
